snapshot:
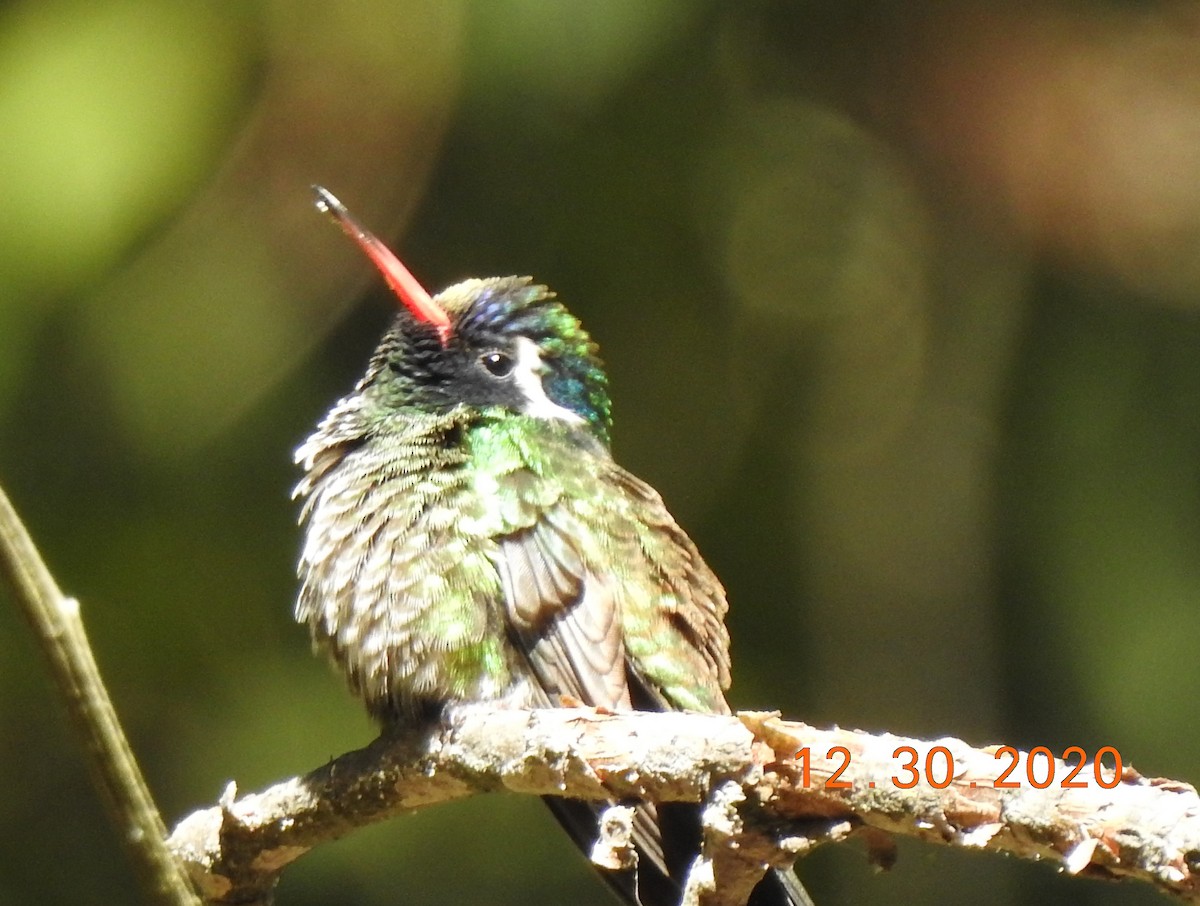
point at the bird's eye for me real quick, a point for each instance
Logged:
(497, 363)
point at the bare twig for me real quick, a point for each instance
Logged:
(766, 806)
(59, 629)
(1140, 828)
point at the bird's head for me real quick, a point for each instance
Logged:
(502, 342)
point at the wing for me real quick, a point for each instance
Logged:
(676, 635)
(606, 596)
(565, 617)
(566, 620)
(610, 604)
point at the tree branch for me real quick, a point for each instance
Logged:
(59, 629)
(1148, 829)
(774, 789)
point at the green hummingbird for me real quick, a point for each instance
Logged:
(470, 538)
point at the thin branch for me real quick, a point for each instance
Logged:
(765, 806)
(56, 622)
(1148, 829)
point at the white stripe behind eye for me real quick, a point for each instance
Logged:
(528, 377)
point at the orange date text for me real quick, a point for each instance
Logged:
(1038, 768)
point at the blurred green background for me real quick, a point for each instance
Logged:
(900, 307)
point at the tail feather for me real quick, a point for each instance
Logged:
(780, 887)
(649, 884)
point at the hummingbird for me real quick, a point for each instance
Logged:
(469, 538)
